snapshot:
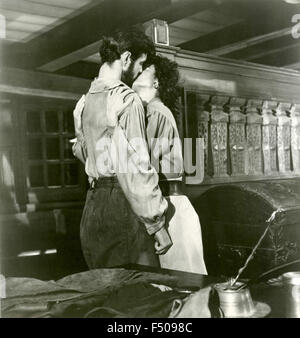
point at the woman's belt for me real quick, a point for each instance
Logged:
(171, 188)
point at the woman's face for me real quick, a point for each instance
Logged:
(145, 81)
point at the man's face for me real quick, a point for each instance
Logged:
(134, 70)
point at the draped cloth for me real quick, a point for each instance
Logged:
(182, 221)
(104, 293)
(184, 227)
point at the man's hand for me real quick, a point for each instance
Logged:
(117, 100)
(77, 114)
(163, 241)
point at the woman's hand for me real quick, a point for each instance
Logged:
(117, 100)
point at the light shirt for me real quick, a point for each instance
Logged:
(164, 142)
(107, 152)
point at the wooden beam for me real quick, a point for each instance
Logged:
(261, 18)
(250, 42)
(37, 8)
(254, 51)
(281, 57)
(295, 65)
(73, 4)
(70, 58)
(80, 31)
(81, 69)
(59, 47)
(208, 74)
(221, 37)
(54, 94)
(22, 82)
(273, 51)
(171, 13)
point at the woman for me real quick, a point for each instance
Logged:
(157, 88)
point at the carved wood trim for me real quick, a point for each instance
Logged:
(269, 142)
(295, 137)
(237, 137)
(247, 139)
(203, 118)
(219, 135)
(253, 138)
(283, 137)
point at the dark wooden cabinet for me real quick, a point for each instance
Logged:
(249, 118)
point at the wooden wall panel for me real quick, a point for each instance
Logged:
(250, 114)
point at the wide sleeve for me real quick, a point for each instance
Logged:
(79, 150)
(165, 145)
(137, 177)
(79, 147)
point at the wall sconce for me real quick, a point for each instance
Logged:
(158, 31)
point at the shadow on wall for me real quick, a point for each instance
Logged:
(8, 201)
(42, 245)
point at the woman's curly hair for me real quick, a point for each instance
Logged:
(167, 74)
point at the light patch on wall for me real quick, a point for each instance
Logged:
(2, 287)
(2, 27)
(8, 177)
(37, 253)
(212, 84)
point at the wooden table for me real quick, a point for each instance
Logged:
(273, 295)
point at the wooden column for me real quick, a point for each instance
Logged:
(218, 137)
(254, 139)
(237, 138)
(269, 137)
(203, 118)
(295, 137)
(283, 138)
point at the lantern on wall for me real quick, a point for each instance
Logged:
(158, 31)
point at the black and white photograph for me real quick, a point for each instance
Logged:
(149, 162)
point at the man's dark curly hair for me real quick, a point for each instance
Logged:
(167, 74)
(133, 40)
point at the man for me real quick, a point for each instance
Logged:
(124, 212)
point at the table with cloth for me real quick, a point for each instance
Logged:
(132, 292)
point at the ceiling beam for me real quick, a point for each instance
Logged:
(82, 69)
(261, 20)
(215, 39)
(77, 38)
(70, 58)
(280, 57)
(273, 51)
(256, 50)
(37, 8)
(295, 65)
(78, 32)
(24, 82)
(250, 42)
(173, 12)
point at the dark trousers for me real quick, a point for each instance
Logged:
(111, 234)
